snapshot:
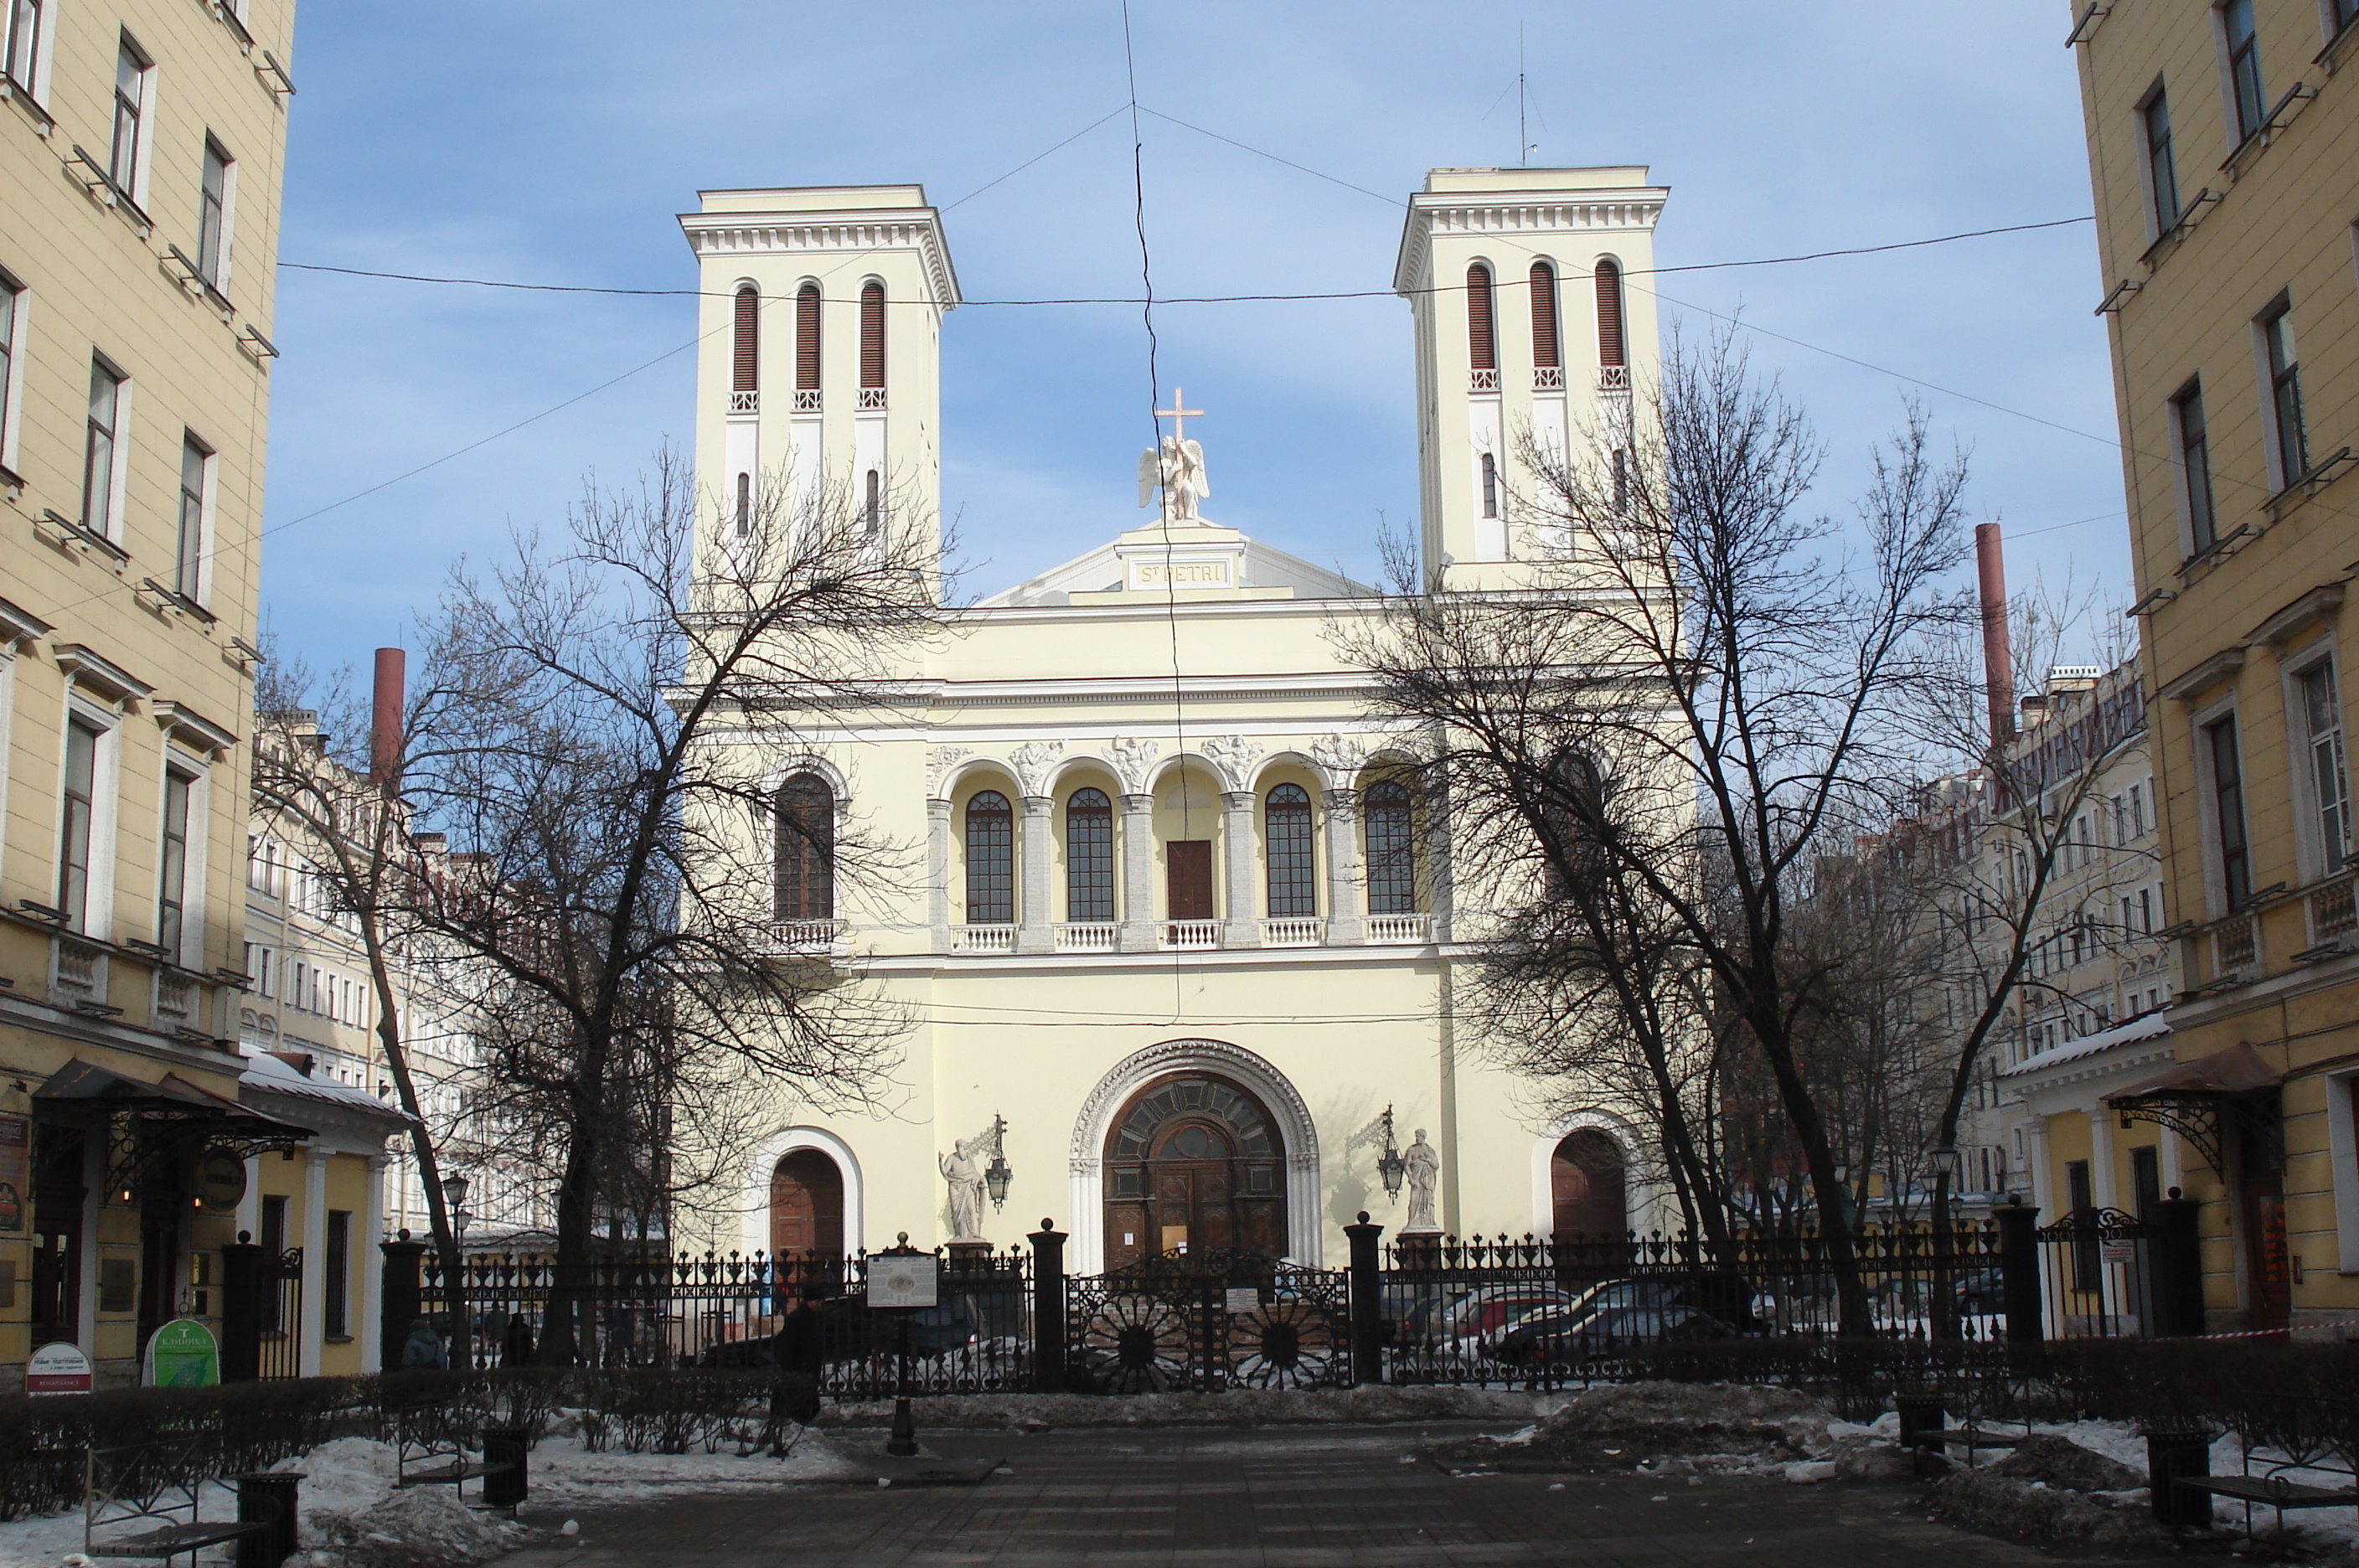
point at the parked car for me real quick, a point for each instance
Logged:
(1727, 1297)
(1980, 1291)
(1494, 1307)
(1559, 1339)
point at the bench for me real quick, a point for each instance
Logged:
(432, 1450)
(163, 1482)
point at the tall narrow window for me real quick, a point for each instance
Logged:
(1292, 871)
(1089, 856)
(24, 60)
(807, 343)
(1392, 858)
(212, 214)
(1611, 349)
(2346, 11)
(172, 891)
(2284, 396)
(2195, 470)
(746, 346)
(9, 295)
(872, 505)
(274, 1247)
(130, 105)
(1546, 353)
(1621, 479)
(2321, 710)
(74, 822)
(2228, 813)
(189, 557)
(744, 504)
(990, 860)
(1490, 485)
(2243, 67)
(2161, 170)
(98, 451)
(336, 1285)
(1482, 333)
(872, 336)
(805, 826)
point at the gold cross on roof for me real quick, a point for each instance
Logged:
(1178, 414)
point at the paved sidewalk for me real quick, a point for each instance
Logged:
(1284, 1498)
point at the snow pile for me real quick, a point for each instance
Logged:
(1660, 1428)
(1370, 1405)
(418, 1527)
(2054, 1489)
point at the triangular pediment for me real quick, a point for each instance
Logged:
(1198, 562)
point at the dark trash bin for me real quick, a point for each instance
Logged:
(1920, 1420)
(505, 1445)
(268, 1498)
(2171, 1454)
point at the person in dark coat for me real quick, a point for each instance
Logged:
(516, 1346)
(798, 1352)
(423, 1350)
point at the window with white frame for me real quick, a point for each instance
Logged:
(23, 59)
(189, 552)
(12, 306)
(212, 216)
(133, 76)
(2161, 169)
(2248, 102)
(172, 865)
(2227, 783)
(102, 444)
(2291, 447)
(2324, 775)
(78, 820)
(2195, 470)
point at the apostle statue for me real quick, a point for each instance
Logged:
(1178, 469)
(1424, 1174)
(965, 1178)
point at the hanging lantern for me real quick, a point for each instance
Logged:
(1390, 1166)
(997, 1175)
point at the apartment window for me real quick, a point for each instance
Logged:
(2321, 710)
(1490, 485)
(2341, 15)
(1481, 341)
(2244, 68)
(1089, 856)
(171, 893)
(1392, 865)
(212, 216)
(74, 823)
(2161, 173)
(2228, 813)
(871, 336)
(24, 57)
(1291, 870)
(274, 1247)
(98, 452)
(2195, 470)
(335, 1296)
(1610, 342)
(746, 375)
(2284, 396)
(2146, 911)
(131, 74)
(990, 860)
(11, 298)
(188, 557)
(2137, 810)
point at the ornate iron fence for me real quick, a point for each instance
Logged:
(1208, 1321)
(2098, 1275)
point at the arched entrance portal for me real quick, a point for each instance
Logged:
(1193, 1162)
(1587, 1180)
(807, 1206)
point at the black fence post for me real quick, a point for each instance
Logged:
(1049, 1328)
(2178, 1266)
(1367, 1303)
(2018, 1257)
(398, 1299)
(241, 1287)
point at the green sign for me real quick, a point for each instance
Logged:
(182, 1355)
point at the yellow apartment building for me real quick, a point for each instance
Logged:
(2224, 147)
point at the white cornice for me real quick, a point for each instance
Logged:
(1519, 212)
(917, 229)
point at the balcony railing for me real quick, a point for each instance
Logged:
(1613, 378)
(871, 400)
(1190, 936)
(1293, 933)
(1381, 930)
(806, 399)
(2236, 947)
(983, 939)
(78, 970)
(1481, 381)
(807, 936)
(745, 402)
(176, 997)
(1087, 936)
(2334, 913)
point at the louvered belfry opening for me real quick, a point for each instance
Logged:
(872, 334)
(1545, 355)
(746, 361)
(1482, 333)
(807, 338)
(1609, 314)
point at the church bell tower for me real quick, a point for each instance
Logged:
(1529, 333)
(818, 363)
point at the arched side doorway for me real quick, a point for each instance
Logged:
(1589, 1185)
(1193, 1162)
(806, 1206)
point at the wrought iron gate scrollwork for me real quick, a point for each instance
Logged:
(1179, 1321)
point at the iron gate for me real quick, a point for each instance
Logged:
(1209, 1321)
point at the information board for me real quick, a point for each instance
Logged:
(183, 1354)
(57, 1368)
(901, 1281)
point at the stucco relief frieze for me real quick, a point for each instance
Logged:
(1298, 1131)
(1341, 755)
(939, 760)
(1234, 755)
(1131, 758)
(1034, 761)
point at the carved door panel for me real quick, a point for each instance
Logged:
(806, 1206)
(1188, 872)
(1174, 1208)
(1215, 1222)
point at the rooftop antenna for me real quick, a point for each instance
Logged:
(1523, 132)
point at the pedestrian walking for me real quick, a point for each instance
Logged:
(799, 1353)
(422, 1351)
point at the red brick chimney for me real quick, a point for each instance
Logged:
(1998, 664)
(384, 727)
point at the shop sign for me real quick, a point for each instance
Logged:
(57, 1368)
(183, 1354)
(16, 1170)
(901, 1281)
(221, 1182)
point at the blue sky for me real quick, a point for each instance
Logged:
(554, 143)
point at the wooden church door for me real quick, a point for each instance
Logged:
(1193, 1164)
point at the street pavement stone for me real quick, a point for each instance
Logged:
(1286, 1497)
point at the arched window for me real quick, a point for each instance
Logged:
(1089, 856)
(872, 505)
(806, 340)
(1621, 479)
(1291, 868)
(1571, 812)
(1609, 351)
(990, 860)
(745, 358)
(744, 504)
(1392, 853)
(1545, 353)
(1482, 334)
(1490, 485)
(805, 824)
(871, 336)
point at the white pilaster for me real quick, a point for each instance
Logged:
(1242, 927)
(1033, 932)
(1342, 866)
(315, 1294)
(1139, 874)
(371, 1262)
(938, 872)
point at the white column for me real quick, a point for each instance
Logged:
(1138, 873)
(1033, 931)
(1439, 877)
(1242, 927)
(365, 1236)
(2101, 1159)
(314, 1317)
(938, 872)
(1342, 865)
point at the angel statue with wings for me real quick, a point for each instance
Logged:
(1179, 470)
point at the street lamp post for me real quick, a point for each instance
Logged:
(454, 1292)
(1945, 1306)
